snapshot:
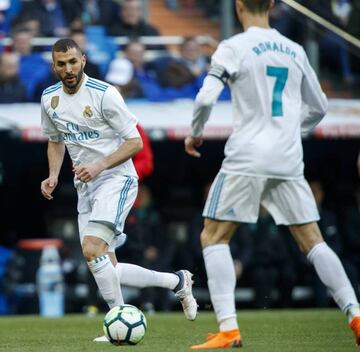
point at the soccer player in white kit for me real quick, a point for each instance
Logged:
(90, 118)
(276, 97)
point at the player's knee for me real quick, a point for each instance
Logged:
(92, 249)
(309, 245)
(204, 238)
(89, 252)
(208, 238)
(307, 236)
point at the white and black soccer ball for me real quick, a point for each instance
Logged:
(125, 325)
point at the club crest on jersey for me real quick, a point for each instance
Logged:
(55, 101)
(87, 112)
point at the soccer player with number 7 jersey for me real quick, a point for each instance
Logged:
(276, 98)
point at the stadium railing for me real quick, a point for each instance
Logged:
(150, 40)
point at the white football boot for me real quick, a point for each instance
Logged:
(183, 291)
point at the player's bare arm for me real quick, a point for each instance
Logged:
(55, 152)
(87, 172)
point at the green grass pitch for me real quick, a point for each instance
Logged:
(272, 330)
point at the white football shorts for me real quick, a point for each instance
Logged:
(237, 198)
(107, 201)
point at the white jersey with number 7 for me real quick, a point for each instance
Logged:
(276, 97)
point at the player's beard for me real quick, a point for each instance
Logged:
(72, 88)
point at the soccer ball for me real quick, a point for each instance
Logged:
(125, 325)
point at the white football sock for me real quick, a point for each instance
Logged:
(137, 276)
(221, 282)
(333, 276)
(107, 280)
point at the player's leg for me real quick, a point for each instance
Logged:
(330, 270)
(179, 282)
(109, 199)
(232, 199)
(95, 250)
(292, 203)
(220, 271)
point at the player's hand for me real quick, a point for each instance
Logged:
(87, 172)
(48, 186)
(191, 143)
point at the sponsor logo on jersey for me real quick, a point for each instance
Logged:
(55, 101)
(87, 112)
(55, 115)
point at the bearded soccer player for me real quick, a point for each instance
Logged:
(276, 97)
(89, 118)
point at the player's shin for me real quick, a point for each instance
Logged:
(137, 276)
(221, 281)
(107, 280)
(332, 274)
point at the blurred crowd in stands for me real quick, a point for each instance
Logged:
(25, 69)
(152, 72)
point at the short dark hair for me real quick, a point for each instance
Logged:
(257, 6)
(63, 45)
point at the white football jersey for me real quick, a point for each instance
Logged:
(275, 97)
(93, 122)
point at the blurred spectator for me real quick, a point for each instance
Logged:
(143, 78)
(211, 7)
(11, 88)
(134, 51)
(32, 68)
(6, 283)
(101, 49)
(328, 225)
(120, 75)
(48, 13)
(175, 74)
(91, 69)
(192, 57)
(282, 19)
(351, 237)
(4, 18)
(334, 52)
(89, 12)
(130, 22)
(354, 19)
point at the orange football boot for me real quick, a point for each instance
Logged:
(355, 326)
(222, 339)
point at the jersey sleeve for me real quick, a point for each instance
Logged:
(204, 102)
(224, 66)
(48, 127)
(117, 114)
(314, 100)
(226, 58)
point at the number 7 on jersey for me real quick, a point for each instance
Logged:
(281, 75)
